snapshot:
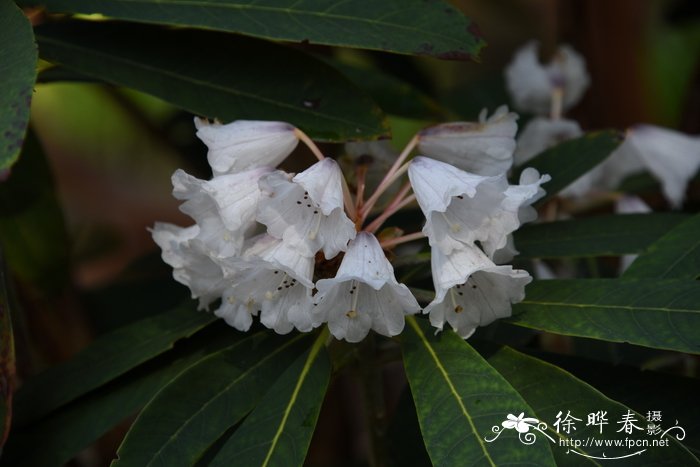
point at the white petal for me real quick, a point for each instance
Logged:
(630, 205)
(365, 261)
(484, 147)
(571, 66)
(237, 314)
(245, 144)
(542, 133)
(323, 183)
(283, 257)
(290, 308)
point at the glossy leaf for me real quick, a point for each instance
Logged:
(663, 314)
(608, 235)
(217, 75)
(675, 255)
(18, 59)
(414, 27)
(279, 430)
(459, 397)
(7, 356)
(189, 414)
(549, 389)
(567, 161)
(105, 359)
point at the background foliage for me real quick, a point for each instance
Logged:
(112, 357)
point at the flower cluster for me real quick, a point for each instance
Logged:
(299, 250)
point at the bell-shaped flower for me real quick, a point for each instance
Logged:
(532, 85)
(246, 144)
(274, 282)
(223, 207)
(471, 291)
(672, 157)
(484, 147)
(363, 295)
(191, 264)
(306, 212)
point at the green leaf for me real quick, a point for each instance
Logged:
(71, 428)
(458, 396)
(217, 75)
(549, 389)
(196, 408)
(675, 255)
(278, 431)
(414, 27)
(663, 314)
(607, 235)
(7, 357)
(567, 161)
(105, 359)
(32, 228)
(18, 59)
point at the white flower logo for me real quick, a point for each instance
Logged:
(520, 423)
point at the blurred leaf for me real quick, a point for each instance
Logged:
(108, 357)
(459, 397)
(18, 60)
(413, 27)
(393, 95)
(406, 445)
(7, 356)
(675, 255)
(607, 235)
(278, 431)
(185, 68)
(567, 161)
(549, 389)
(663, 314)
(196, 408)
(59, 437)
(32, 229)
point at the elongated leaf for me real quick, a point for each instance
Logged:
(18, 60)
(217, 75)
(549, 390)
(594, 236)
(664, 314)
(278, 431)
(60, 436)
(7, 357)
(675, 255)
(567, 161)
(459, 398)
(403, 26)
(107, 358)
(196, 408)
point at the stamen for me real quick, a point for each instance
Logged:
(457, 308)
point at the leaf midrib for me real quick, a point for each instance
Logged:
(631, 308)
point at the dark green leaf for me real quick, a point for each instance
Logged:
(608, 235)
(7, 357)
(217, 75)
(412, 27)
(60, 436)
(278, 431)
(32, 229)
(675, 255)
(196, 408)
(108, 357)
(549, 390)
(18, 59)
(663, 314)
(569, 160)
(459, 398)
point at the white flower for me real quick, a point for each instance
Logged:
(521, 423)
(531, 84)
(484, 147)
(224, 207)
(364, 294)
(307, 212)
(672, 157)
(246, 144)
(192, 266)
(275, 282)
(543, 133)
(471, 291)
